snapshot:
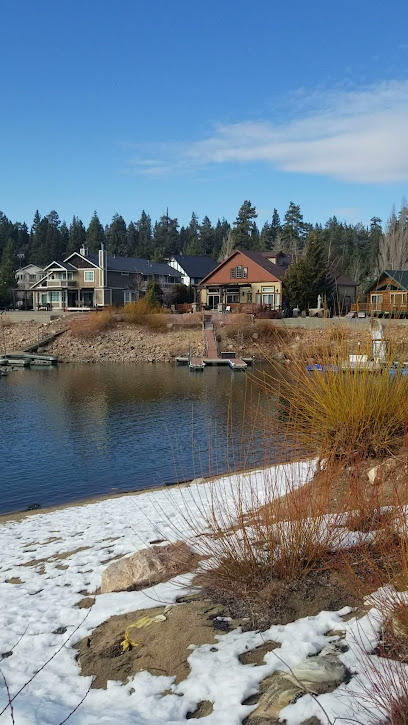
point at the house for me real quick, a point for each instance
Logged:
(192, 268)
(25, 277)
(245, 277)
(87, 280)
(387, 295)
(345, 292)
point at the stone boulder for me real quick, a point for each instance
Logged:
(148, 567)
(321, 673)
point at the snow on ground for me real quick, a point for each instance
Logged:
(83, 539)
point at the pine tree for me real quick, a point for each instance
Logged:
(243, 225)
(220, 233)
(165, 238)
(132, 240)
(6, 229)
(64, 232)
(275, 228)
(308, 277)
(265, 238)
(193, 243)
(144, 227)
(207, 237)
(77, 235)
(95, 234)
(292, 235)
(154, 293)
(9, 264)
(116, 236)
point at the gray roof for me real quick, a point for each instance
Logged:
(343, 281)
(195, 266)
(400, 276)
(135, 265)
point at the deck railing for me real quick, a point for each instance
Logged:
(381, 308)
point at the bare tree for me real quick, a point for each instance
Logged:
(227, 246)
(137, 284)
(393, 246)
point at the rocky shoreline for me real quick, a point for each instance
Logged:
(125, 343)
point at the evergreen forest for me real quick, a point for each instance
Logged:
(357, 250)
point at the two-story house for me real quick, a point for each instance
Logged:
(245, 277)
(192, 267)
(25, 278)
(88, 280)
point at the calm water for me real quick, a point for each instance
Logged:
(76, 431)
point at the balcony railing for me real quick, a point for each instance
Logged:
(59, 283)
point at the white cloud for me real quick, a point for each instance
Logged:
(356, 136)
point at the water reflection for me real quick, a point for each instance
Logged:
(84, 430)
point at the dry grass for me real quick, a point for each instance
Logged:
(352, 413)
(257, 543)
(142, 313)
(92, 323)
(243, 329)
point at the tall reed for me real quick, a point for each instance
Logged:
(354, 406)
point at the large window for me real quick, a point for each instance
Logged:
(232, 298)
(268, 299)
(89, 275)
(54, 296)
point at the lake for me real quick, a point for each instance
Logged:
(78, 430)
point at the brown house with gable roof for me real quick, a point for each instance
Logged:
(244, 278)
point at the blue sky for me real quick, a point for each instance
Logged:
(127, 105)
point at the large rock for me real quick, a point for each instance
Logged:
(147, 567)
(321, 673)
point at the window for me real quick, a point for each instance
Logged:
(376, 301)
(54, 296)
(249, 296)
(398, 298)
(245, 273)
(127, 297)
(232, 298)
(239, 272)
(268, 289)
(232, 272)
(268, 299)
(31, 277)
(89, 275)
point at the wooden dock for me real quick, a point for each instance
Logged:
(212, 356)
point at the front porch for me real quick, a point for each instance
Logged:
(63, 299)
(247, 297)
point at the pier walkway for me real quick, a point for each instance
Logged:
(212, 356)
